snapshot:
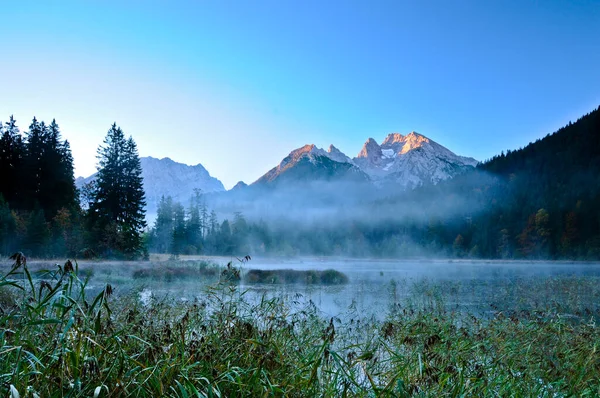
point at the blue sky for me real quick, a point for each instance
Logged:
(236, 85)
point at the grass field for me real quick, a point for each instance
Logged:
(56, 340)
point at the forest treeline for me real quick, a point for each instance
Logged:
(40, 206)
(196, 230)
(539, 202)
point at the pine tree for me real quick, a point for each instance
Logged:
(163, 226)
(57, 188)
(36, 177)
(109, 192)
(178, 237)
(48, 170)
(11, 160)
(32, 171)
(194, 226)
(239, 232)
(224, 243)
(134, 206)
(211, 238)
(8, 229)
(213, 223)
(204, 220)
(118, 199)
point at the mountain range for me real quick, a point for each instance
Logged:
(401, 161)
(167, 177)
(406, 161)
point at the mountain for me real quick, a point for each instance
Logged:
(240, 185)
(167, 177)
(310, 163)
(405, 161)
(410, 160)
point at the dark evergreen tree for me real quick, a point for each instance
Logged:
(224, 242)
(213, 223)
(134, 214)
(87, 194)
(194, 226)
(48, 173)
(11, 162)
(212, 231)
(109, 192)
(57, 187)
(8, 229)
(239, 233)
(118, 199)
(178, 241)
(204, 220)
(36, 175)
(162, 232)
(35, 146)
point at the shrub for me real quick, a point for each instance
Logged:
(289, 276)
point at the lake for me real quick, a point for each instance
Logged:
(374, 286)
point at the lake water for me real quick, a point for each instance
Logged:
(479, 287)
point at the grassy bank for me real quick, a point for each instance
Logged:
(56, 340)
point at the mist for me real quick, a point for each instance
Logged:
(349, 218)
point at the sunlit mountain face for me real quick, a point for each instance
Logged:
(310, 163)
(404, 161)
(410, 160)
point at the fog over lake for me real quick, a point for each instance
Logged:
(474, 285)
(478, 286)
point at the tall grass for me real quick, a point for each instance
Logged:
(57, 340)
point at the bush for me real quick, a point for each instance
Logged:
(285, 276)
(171, 273)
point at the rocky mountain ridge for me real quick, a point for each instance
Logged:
(167, 177)
(404, 161)
(407, 161)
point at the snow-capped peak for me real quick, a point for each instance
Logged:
(402, 144)
(307, 150)
(337, 155)
(410, 160)
(406, 160)
(325, 165)
(370, 150)
(311, 151)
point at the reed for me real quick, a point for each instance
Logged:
(58, 340)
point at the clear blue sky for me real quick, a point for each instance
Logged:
(236, 85)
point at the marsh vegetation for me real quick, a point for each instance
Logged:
(61, 336)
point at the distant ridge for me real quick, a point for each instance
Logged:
(170, 178)
(239, 185)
